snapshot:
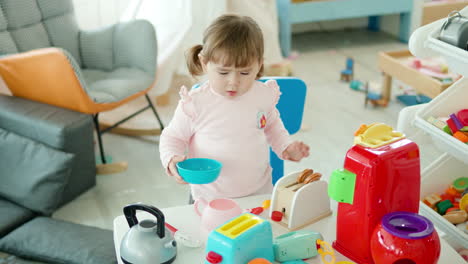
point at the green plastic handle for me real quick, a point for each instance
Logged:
(341, 186)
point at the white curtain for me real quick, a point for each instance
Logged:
(179, 25)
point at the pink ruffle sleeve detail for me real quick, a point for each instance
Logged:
(187, 102)
(276, 91)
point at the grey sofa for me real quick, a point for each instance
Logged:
(46, 160)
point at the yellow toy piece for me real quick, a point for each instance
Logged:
(266, 204)
(326, 250)
(464, 203)
(376, 135)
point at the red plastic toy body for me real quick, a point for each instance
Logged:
(387, 180)
(404, 237)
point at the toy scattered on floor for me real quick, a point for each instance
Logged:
(374, 96)
(409, 100)
(381, 157)
(357, 85)
(455, 125)
(347, 74)
(404, 235)
(372, 92)
(291, 204)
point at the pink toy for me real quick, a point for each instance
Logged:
(435, 67)
(215, 212)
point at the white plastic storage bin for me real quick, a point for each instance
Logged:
(448, 102)
(435, 179)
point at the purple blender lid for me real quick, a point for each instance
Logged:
(407, 225)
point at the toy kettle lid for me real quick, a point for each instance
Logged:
(147, 241)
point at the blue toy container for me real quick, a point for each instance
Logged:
(199, 170)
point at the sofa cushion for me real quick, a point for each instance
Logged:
(12, 216)
(10, 259)
(55, 241)
(32, 174)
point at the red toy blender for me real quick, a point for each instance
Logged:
(381, 175)
(405, 238)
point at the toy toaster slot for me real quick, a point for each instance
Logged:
(233, 223)
(244, 227)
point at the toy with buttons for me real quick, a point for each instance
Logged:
(453, 204)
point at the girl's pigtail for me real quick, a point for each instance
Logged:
(193, 61)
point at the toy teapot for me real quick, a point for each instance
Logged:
(147, 242)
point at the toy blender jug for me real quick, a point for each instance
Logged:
(381, 175)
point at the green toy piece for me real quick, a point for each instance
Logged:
(460, 184)
(341, 186)
(447, 130)
(443, 206)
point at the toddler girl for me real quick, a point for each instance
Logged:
(232, 117)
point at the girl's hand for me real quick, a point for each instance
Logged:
(173, 169)
(296, 151)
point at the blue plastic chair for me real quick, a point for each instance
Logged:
(349, 69)
(291, 109)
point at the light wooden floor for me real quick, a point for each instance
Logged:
(332, 113)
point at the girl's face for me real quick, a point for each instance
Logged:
(230, 81)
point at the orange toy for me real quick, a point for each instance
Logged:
(462, 136)
(259, 261)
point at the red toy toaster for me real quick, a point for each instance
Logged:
(381, 175)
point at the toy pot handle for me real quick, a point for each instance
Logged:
(130, 215)
(195, 206)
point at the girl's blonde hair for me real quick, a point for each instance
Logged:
(231, 40)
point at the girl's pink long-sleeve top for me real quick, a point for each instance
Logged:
(235, 131)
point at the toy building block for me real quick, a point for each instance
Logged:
(347, 74)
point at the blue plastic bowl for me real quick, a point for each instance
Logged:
(199, 170)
